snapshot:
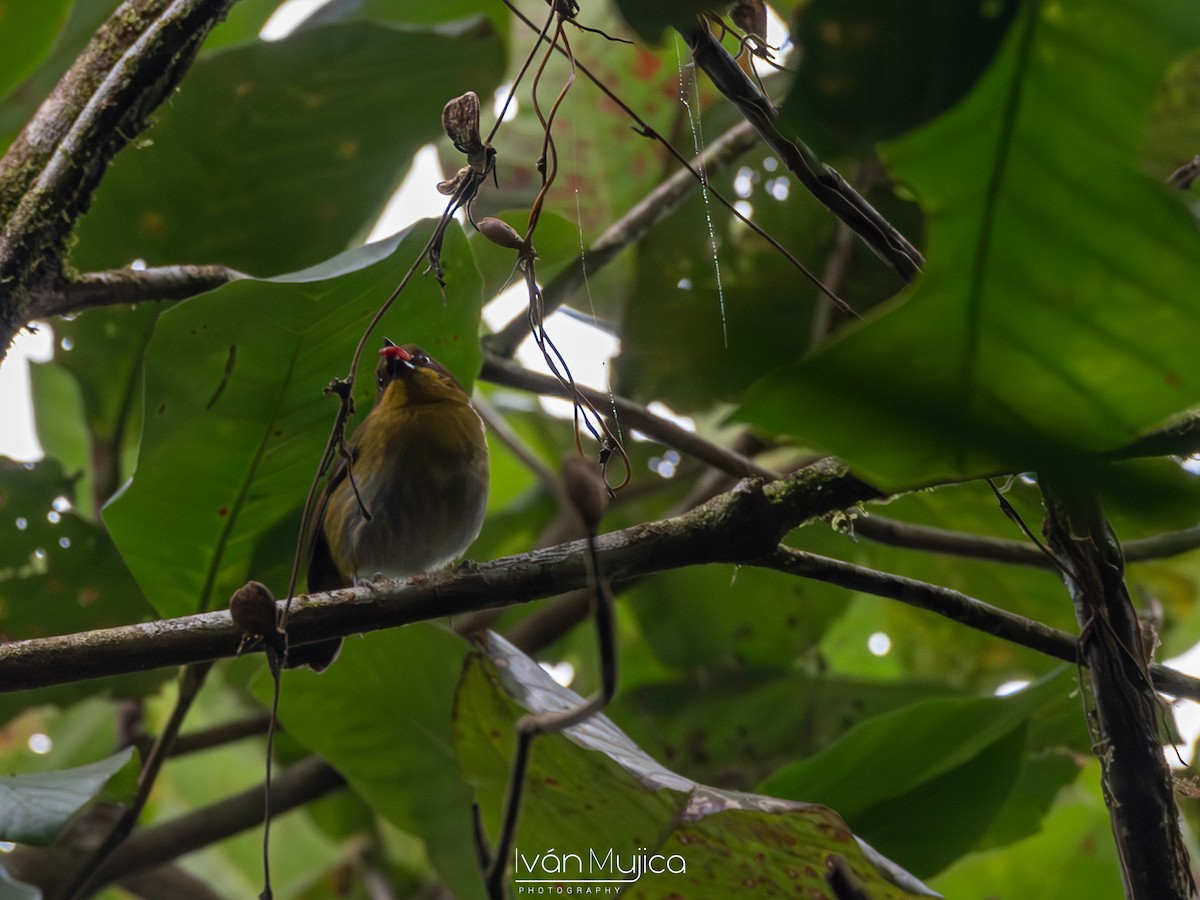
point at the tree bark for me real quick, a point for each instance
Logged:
(1124, 711)
(131, 65)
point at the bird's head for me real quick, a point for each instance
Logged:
(407, 375)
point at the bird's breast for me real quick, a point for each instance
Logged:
(425, 489)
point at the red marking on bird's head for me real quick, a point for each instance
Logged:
(394, 351)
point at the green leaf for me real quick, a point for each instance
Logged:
(872, 69)
(919, 742)
(58, 572)
(244, 21)
(240, 372)
(1072, 856)
(720, 616)
(649, 20)
(417, 12)
(276, 155)
(731, 729)
(591, 790)
(87, 399)
(1047, 324)
(381, 716)
(949, 827)
(27, 31)
(1043, 775)
(34, 808)
(928, 757)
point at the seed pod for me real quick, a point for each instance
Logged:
(252, 607)
(500, 233)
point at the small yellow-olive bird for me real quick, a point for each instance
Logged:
(411, 497)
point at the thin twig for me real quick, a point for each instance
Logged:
(633, 415)
(117, 286)
(992, 549)
(220, 735)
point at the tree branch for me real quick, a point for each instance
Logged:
(1137, 783)
(821, 180)
(742, 526)
(219, 735)
(130, 67)
(958, 607)
(115, 286)
(737, 526)
(992, 549)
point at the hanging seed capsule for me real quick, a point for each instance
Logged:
(252, 607)
(500, 233)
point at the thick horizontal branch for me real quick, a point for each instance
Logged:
(742, 526)
(737, 526)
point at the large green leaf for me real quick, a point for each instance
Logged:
(245, 20)
(649, 20)
(276, 155)
(1072, 856)
(930, 756)
(382, 716)
(1056, 314)
(35, 807)
(591, 790)
(239, 372)
(731, 729)
(872, 69)
(721, 616)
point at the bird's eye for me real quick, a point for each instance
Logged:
(382, 379)
(421, 359)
